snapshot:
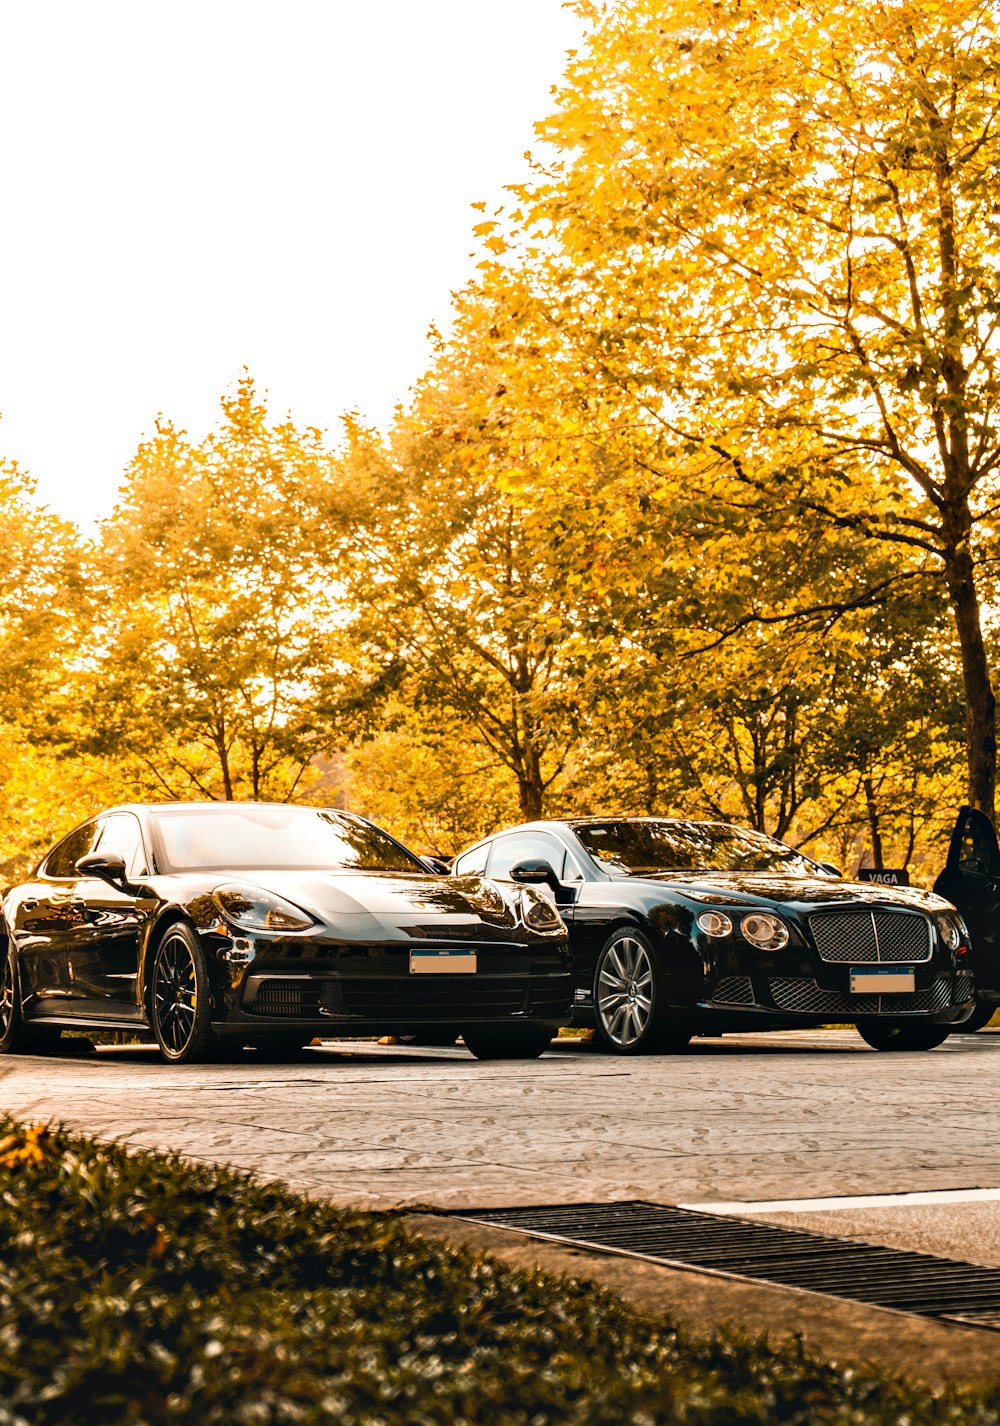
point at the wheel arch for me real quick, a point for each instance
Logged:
(169, 916)
(663, 926)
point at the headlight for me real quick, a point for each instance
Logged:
(950, 928)
(490, 898)
(538, 913)
(715, 923)
(767, 933)
(250, 908)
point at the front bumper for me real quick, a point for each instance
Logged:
(943, 996)
(320, 986)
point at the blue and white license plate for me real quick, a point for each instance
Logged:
(882, 980)
(457, 962)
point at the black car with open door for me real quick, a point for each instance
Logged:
(971, 882)
(255, 923)
(679, 927)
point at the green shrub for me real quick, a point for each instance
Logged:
(136, 1288)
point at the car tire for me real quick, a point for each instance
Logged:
(631, 1016)
(980, 1017)
(179, 1000)
(17, 1038)
(507, 1042)
(902, 1037)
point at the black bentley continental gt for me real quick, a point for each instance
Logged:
(253, 923)
(679, 928)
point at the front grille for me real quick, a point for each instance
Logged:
(794, 1257)
(289, 1000)
(733, 990)
(434, 998)
(803, 996)
(871, 937)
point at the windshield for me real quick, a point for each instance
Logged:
(640, 848)
(238, 837)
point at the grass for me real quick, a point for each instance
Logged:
(135, 1288)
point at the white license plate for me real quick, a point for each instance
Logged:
(442, 962)
(891, 981)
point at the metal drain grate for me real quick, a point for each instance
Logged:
(790, 1257)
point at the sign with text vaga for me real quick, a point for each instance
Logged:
(885, 876)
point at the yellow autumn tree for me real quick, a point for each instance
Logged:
(770, 240)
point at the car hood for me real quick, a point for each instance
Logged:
(418, 905)
(758, 888)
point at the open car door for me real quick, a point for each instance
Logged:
(971, 882)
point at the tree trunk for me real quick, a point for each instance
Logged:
(530, 787)
(980, 703)
(877, 857)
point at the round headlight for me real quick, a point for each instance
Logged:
(767, 933)
(715, 923)
(949, 930)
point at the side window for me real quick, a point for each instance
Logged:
(121, 833)
(62, 860)
(474, 862)
(525, 847)
(571, 871)
(977, 851)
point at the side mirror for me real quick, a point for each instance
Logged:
(833, 870)
(439, 865)
(108, 866)
(535, 873)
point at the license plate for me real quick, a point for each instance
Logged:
(442, 962)
(890, 981)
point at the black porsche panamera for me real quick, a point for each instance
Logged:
(681, 927)
(256, 923)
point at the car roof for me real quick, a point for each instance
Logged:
(571, 824)
(215, 807)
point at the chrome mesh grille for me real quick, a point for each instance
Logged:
(733, 990)
(871, 937)
(803, 996)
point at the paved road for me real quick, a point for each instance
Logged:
(765, 1117)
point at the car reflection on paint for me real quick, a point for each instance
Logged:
(254, 923)
(682, 927)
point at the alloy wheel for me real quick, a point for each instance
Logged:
(625, 991)
(175, 995)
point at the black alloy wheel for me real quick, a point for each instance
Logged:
(17, 1038)
(179, 999)
(980, 1017)
(631, 1017)
(507, 1042)
(882, 1036)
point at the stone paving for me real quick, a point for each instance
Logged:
(747, 1117)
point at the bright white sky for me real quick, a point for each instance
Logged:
(190, 186)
